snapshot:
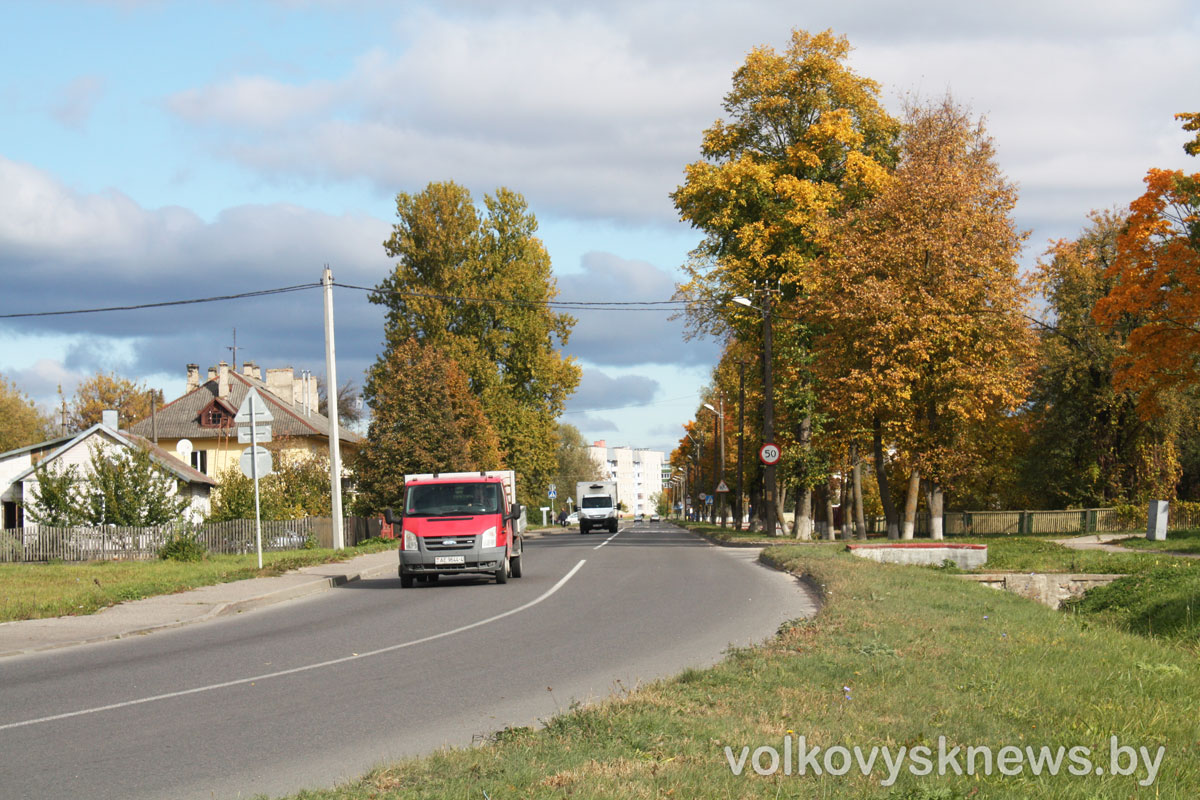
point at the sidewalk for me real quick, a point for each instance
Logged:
(174, 610)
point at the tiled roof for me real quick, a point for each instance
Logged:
(157, 454)
(181, 418)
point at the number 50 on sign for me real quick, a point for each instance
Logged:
(769, 453)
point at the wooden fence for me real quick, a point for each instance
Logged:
(113, 543)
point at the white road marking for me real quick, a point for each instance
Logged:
(330, 663)
(609, 539)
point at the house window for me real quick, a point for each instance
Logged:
(200, 461)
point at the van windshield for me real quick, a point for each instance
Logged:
(602, 501)
(445, 499)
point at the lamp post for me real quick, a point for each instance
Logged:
(741, 431)
(768, 404)
(718, 472)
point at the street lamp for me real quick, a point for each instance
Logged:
(718, 472)
(768, 402)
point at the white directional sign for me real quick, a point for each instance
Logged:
(260, 454)
(261, 434)
(261, 412)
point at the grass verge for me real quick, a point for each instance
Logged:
(1177, 542)
(35, 591)
(899, 657)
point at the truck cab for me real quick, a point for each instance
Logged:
(459, 523)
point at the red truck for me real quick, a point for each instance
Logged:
(457, 523)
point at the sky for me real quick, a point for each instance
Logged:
(154, 151)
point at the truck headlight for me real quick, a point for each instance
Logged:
(488, 539)
(410, 541)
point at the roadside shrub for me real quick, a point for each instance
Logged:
(182, 546)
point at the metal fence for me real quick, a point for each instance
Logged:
(113, 543)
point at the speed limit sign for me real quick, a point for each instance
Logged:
(769, 454)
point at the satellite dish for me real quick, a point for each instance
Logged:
(184, 448)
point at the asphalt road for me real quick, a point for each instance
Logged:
(317, 691)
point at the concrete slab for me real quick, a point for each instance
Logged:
(966, 556)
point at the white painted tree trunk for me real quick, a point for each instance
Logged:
(936, 512)
(802, 526)
(910, 504)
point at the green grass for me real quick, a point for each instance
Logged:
(1161, 602)
(1041, 554)
(34, 591)
(1177, 542)
(924, 655)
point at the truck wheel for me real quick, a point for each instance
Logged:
(515, 566)
(612, 528)
(583, 529)
(406, 581)
(502, 573)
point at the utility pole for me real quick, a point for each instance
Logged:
(335, 453)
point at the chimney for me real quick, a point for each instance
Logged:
(109, 417)
(279, 383)
(212, 374)
(251, 370)
(193, 377)
(600, 443)
(222, 379)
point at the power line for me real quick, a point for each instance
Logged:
(165, 303)
(572, 305)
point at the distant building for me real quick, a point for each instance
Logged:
(637, 471)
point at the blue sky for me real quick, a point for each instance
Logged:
(160, 150)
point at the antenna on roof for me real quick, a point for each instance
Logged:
(234, 349)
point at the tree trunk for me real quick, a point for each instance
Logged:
(936, 512)
(780, 507)
(860, 521)
(885, 494)
(910, 504)
(802, 526)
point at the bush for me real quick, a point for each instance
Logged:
(182, 546)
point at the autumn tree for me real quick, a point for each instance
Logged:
(804, 140)
(350, 410)
(1156, 278)
(104, 392)
(477, 287)
(924, 308)
(21, 422)
(425, 419)
(575, 462)
(1088, 445)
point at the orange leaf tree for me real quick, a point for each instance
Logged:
(1156, 278)
(923, 308)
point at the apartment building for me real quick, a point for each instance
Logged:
(637, 471)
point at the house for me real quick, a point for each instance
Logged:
(202, 419)
(18, 468)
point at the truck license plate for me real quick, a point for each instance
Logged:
(439, 560)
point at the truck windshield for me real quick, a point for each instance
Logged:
(603, 501)
(445, 499)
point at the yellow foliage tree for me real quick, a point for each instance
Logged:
(922, 304)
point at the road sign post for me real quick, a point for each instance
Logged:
(252, 412)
